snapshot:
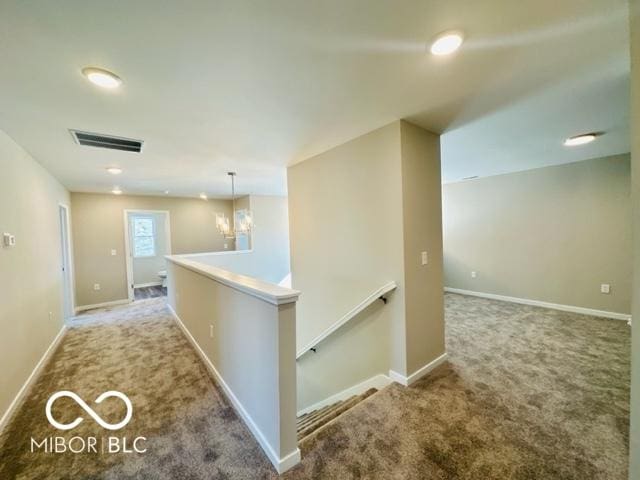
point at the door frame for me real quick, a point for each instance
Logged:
(67, 270)
(128, 254)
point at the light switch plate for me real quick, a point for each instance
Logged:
(605, 288)
(425, 258)
(113, 252)
(7, 239)
(474, 274)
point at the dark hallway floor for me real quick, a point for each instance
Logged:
(142, 293)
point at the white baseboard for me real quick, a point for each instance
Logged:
(537, 303)
(4, 421)
(280, 464)
(113, 303)
(150, 284)
(418, 374)
(379, 381)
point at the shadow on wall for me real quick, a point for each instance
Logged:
(358, 351)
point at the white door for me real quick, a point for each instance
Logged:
(67, 302)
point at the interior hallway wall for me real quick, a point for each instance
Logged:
(634, 467)
(31, 311)
(360, 216)
(98, 228)
(422, 228)
(552, 234)
(268, 258)
(345, 224)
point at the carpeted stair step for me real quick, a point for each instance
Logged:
(308, 418)
(310, 422)
(318, 416)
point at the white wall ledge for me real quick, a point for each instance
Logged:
(266, 291)
(218, 252)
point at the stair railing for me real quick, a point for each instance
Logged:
(379, 294)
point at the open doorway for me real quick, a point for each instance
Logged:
(147, 241)
(65, 255)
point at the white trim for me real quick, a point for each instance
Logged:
(127, 243)
(269, 292)
(288, 461)
(280, 464)
(127, 257)
(219, 252)
(4, 421)
(538, 303)
(71, 272)
(347, 316)
(418, 374)
(144, 285)
(379, 382)
(82, 308)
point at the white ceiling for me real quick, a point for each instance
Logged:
(212, 86)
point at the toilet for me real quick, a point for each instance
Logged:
(163, 275)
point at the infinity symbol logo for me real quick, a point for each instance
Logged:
(89, 410)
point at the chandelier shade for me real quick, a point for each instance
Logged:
(242, 221)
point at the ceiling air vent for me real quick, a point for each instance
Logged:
(106, 141)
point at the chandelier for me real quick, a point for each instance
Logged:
(242, 220)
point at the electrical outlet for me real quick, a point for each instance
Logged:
(211, 331)
(113, 253)
(605, 288)
(9, 240)
(50, 316)
(474, 274)
(425, 258)
(96, 286)
(226, 246)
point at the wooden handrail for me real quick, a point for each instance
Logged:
(378, 294)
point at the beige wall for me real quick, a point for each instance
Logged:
(31, 279)
(552, 234)
(268, 258)
(252, 348)
(352, 227)
(345, 224)
(634, 469)
(98, 227)
(422, 214)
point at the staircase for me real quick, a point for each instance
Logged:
(312, 421)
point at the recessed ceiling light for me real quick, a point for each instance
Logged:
(116, 191)
(580, 139)
(114, 170)
(101, 77)
(203, 196)
(447, 42)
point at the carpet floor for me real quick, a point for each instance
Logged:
(192, 431)
(527, 393)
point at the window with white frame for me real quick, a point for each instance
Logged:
(144, 242)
